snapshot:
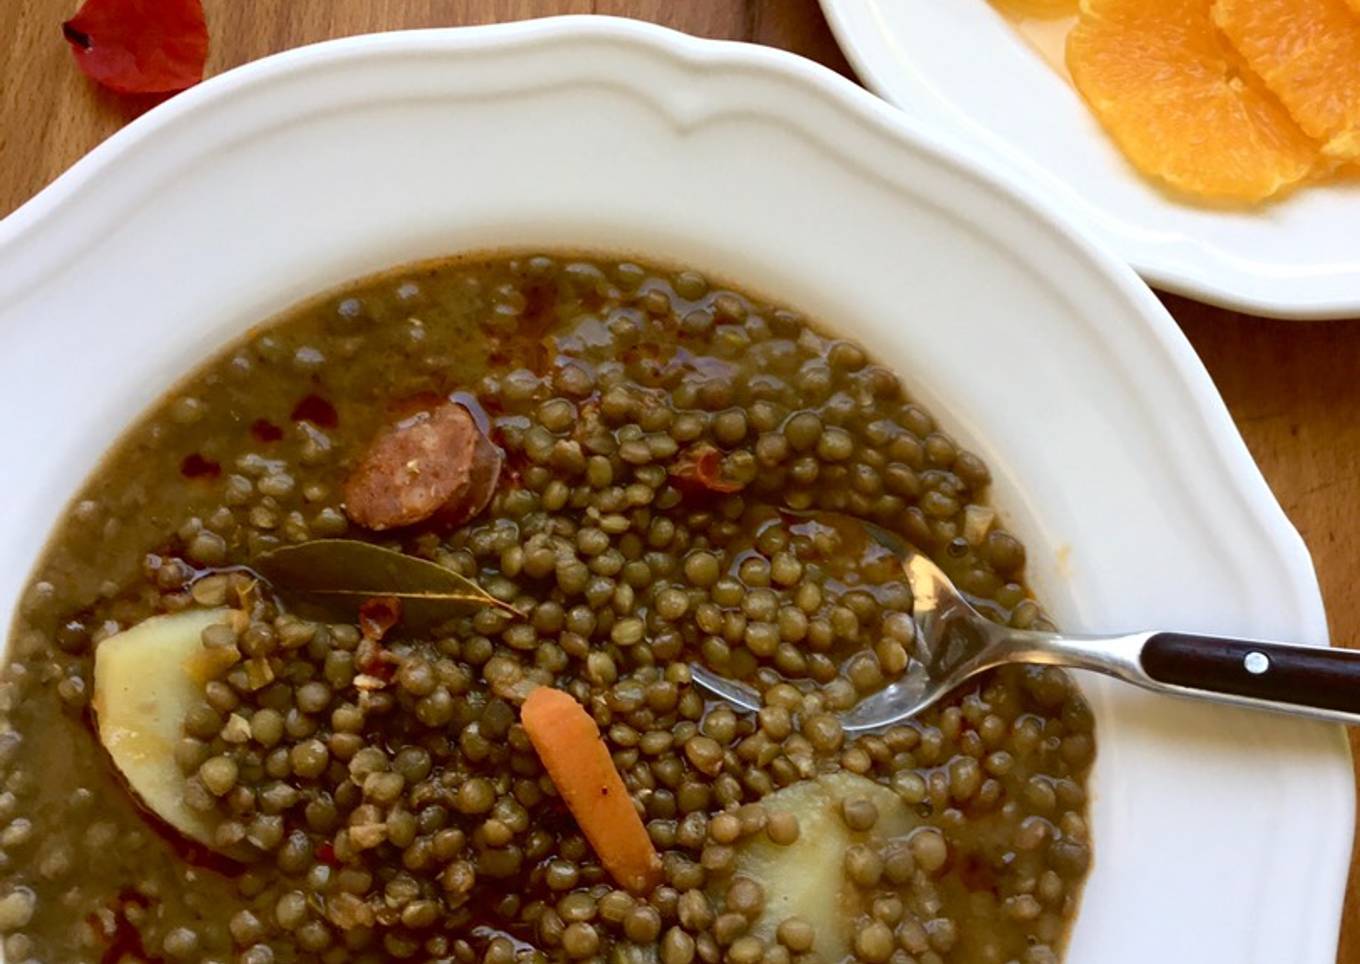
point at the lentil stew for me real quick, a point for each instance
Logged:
(237, 729)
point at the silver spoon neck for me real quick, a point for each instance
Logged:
(1112, 655)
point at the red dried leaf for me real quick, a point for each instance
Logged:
(700, 466)
(140, 46)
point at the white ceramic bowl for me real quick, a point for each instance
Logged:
(1219, 836)
(959, 67)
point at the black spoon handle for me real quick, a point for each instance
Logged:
(1267, 675)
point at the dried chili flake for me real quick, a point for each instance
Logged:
(140, 46)
(318, 411)
(489, 404)
(700, 466)
(378, 615)
(265, 431)
(123, 939)
(196, 466)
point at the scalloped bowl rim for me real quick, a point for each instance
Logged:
(700, 89)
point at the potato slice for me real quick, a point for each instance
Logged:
(145, 680)
(807, 878)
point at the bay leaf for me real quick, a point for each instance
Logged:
(339, 574)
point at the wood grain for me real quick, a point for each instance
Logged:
(1293, 388)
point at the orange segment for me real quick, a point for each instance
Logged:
(1040, 9)
(1308, 53)
(1170, 91)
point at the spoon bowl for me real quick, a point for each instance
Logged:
(954, 642)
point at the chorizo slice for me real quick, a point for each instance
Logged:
(434, 462)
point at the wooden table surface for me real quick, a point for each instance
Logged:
(1293, 388)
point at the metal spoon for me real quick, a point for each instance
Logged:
(955, 642)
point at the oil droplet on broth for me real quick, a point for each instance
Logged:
(1044, 25)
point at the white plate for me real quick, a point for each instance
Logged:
(1220, 836)
(959, 66)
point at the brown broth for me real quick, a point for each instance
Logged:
(600, 380)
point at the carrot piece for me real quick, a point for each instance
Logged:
(576, 758)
